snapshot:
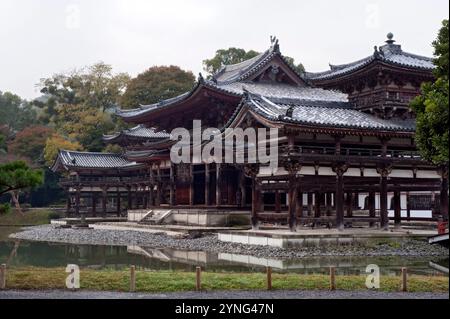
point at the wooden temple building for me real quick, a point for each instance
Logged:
(346, 147)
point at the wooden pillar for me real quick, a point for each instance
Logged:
(317, 212)
(444, 194)
(151, 199)
(255, 203)
(408, 206)
(119, 202)
(219, 184)
(349, 203)
(397, 209)
(172, 185)
(299, 203)
(277, 202)
(77, 201)
(68, 202)
(207, 185)
(243, 190)
(191, 185)
(310, 204)
(371, 204)
(94, 204)
(329, 200)
(130, 199)
(340, 170)
(384, 219)
(104, 201)
(159, 186)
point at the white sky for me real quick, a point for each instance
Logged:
(41, 37)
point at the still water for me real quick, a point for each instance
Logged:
(48, 255)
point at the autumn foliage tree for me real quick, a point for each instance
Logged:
(156, 84)
(56, 143)
(30, 143)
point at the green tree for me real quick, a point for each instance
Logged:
(226, 57)
(156, 84)
(236, 55)
(78, 104)
(432, 108)
(3, 148)
(15, 112)
(17, 176)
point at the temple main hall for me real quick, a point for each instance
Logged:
(346, 150)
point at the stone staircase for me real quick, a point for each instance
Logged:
(156, 217)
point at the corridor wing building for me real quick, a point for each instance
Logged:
(346, 147)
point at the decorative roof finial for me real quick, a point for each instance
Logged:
(390, 39)
(274, 43)
(200, 78)
(290, 112)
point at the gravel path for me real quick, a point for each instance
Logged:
(210, 243)
(282, 294)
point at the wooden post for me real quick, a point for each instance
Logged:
(277, 202)
(119, 202)
(332, 278)
(218, 185)
(317, 200)
(132, 278)
(269, 278)
(172, 185)
(349, 202)
(207, 182)
(329, 203)
(130, 199)
(2, 276)
(104, 201)
(77, 201)
(255, 206)
(299, 204)
(310, 204)
(198, 276)
(384, 219)
(408, 206)
(371, 204)
(339, 199)
(404, 279)
(397, 209)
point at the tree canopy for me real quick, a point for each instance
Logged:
(17, 175)
(16, 113)
(432, 108)
(156, 84)
(78, 104)
(30, 143)
(56, 143)
(236, 55)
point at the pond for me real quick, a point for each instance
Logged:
(48, 255)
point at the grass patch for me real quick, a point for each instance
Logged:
(163, 281)
(32, 217)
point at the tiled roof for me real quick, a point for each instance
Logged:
(285, 91)
(323, 114)
(279, 92)
(390, 54)
(138, 132)
(72, 159)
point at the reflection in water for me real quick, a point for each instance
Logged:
(36, 254)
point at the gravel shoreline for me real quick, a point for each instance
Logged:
(210, 243)
(220, 295)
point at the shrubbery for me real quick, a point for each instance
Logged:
(5, 208)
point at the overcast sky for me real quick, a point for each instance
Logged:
(41, 37)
